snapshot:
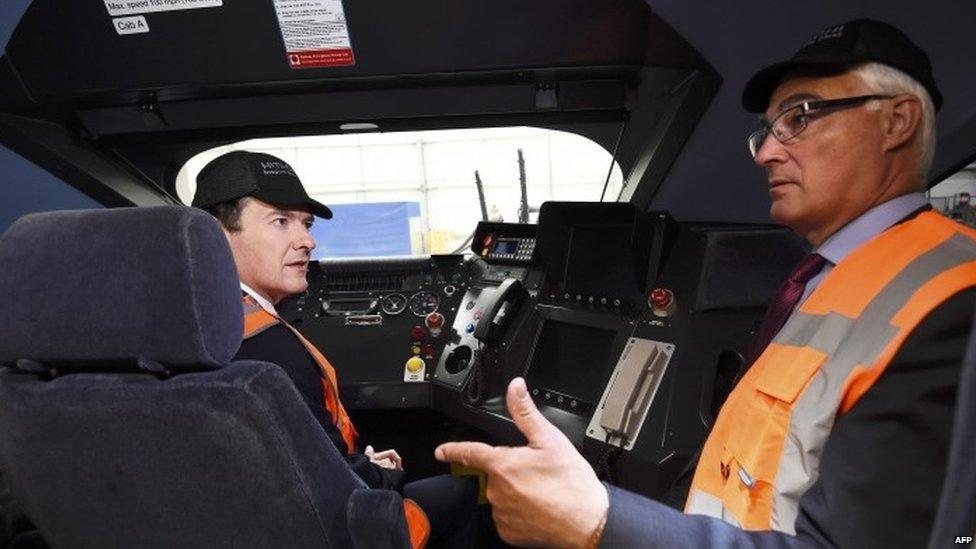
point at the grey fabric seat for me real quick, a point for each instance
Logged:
(123, 423)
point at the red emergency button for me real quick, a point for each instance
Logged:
(417, 332)
(434, 322)
(660, 298)
(661, 301)
(488, 240)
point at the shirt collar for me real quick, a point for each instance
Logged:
(870, 224)
(264, 303)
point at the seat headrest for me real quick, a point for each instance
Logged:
(130, 283)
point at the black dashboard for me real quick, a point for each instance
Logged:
(628, 327)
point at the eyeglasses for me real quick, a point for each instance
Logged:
(791, 122)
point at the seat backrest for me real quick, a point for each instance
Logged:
(955, 521)
(124, 424)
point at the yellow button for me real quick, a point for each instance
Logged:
(415, 364)
(415, 349)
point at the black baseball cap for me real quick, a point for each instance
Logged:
(839, 47)
(263, 176)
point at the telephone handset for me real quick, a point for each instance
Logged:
(499, 309)
(627, 399)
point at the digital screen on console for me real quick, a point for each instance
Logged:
(599, 260)
(571, 359)
(505, 247)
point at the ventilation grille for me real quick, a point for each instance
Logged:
(350, 282)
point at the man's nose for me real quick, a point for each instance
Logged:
(305, 240)
(770, 151)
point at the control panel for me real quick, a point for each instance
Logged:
(498, 273)
(624, 325)
(381, 322)
(513, 250)
(506, 277)
(505, 243)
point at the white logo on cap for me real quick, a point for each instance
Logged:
(277, 168)
(830, 32)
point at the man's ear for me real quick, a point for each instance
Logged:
(903, 116)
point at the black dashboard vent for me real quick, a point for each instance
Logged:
(351, 282)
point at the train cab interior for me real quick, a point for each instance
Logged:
(629, 308)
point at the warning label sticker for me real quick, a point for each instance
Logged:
(132, 7)
(130, 25)
(315, 33)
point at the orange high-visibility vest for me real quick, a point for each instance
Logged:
(257, 320)
(764, 451)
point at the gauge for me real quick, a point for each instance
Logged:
(394, 304)
(423, 303)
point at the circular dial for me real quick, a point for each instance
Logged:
(423, 303)
(394, 304)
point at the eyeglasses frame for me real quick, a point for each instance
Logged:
(808, 109)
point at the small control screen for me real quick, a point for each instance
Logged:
(505, 246)
(599, 261)
(571, 359)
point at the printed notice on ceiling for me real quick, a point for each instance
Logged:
(132, 7)
(315, 33)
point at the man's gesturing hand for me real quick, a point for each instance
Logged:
(543, 494)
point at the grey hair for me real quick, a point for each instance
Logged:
(883, 79)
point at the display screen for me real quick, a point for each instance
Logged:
(349, 305)
(599, 260)
(571, 359)
(505, 247)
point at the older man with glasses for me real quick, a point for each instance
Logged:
(837, 433)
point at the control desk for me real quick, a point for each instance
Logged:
(624, 325)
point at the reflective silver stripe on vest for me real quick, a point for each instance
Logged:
(703, 503)
(250, 306)
(847, 343)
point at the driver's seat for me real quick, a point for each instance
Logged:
(123, 422)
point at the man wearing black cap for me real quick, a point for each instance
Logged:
(266, 215)
(837, 433)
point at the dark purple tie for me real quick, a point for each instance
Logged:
(782, 305)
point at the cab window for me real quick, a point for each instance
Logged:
(409, 193)
(955, 196)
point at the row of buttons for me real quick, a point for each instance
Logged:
(591, 299)
(515, 256)
(441, 279)
(559, 398)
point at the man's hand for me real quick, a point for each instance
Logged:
(543, 494)
(387, 459)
